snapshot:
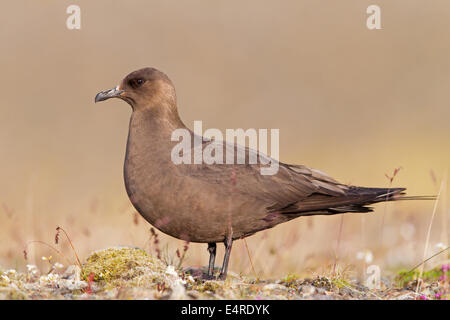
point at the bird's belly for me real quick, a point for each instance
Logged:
(167, 206)
(180, 223)
(187, 214)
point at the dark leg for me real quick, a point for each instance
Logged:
(228, 244)
(212, 258)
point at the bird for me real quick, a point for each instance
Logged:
(218, 202)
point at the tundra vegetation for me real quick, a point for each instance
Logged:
(132, 273)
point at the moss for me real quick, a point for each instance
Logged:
(341, 283)
(205, 286)
(120, 264)
(404, 278)
(290, 278)
(210, 286)
(293, 281)
(3, 282)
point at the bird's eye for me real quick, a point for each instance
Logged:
(135, 83)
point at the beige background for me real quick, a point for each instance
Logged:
(349, 101)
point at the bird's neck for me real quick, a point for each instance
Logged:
(150, 133)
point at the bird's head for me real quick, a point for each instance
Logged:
(143, 89)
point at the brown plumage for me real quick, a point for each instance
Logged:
(217, 202)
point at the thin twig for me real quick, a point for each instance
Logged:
(48, 245)
(429, 233)
(71, 244)
(250, 257)
(337, 245)
(423, 262)
(181, 258)
(391, 180)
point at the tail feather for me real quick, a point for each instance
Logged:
(414, 198)
(356, 199)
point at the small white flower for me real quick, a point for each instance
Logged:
(368, 257)
(171, 270)
(59, 265)
(4, 277)
(48, 278)
(31, 267)
(365, 255)
(52, 277)
(441, 245)
(360, 255)
(11, 271)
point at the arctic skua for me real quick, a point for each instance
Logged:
(216, 203)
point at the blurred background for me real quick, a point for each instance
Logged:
(352, 102)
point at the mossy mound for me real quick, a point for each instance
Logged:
(114, 266)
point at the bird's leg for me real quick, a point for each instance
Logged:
(212, 258)
(223, 272)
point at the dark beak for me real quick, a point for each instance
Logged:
(105, 95)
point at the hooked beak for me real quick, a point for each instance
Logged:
(111, 93)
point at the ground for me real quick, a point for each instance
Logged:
(132, 273)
